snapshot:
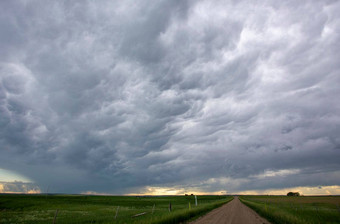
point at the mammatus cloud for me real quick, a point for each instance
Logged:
(205, 95)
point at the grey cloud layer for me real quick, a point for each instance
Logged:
(111, 97)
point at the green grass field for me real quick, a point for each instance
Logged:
(102, 209)
(303, 209)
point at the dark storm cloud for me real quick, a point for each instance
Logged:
(113, 97)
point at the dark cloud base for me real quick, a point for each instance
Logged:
(113, 97)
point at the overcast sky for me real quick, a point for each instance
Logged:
(132, 96)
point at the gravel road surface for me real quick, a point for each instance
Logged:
(233, 212)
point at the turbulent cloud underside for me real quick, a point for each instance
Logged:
(209, 95)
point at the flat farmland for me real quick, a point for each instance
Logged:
(302, 209)
(104, 209)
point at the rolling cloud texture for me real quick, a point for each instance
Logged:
(115, 96)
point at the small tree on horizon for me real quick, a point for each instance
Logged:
(293, 194)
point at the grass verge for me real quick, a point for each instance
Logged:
(187, 215)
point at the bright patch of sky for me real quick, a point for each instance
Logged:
(10, 176)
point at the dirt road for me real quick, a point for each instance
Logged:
(232, 212)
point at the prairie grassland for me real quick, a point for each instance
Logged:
(303, 209)
(102, 209)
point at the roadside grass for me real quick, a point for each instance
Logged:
(185, 215)
(102, 209)
(296, 210)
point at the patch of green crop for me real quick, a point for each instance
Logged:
(103, 209)
(299, 210)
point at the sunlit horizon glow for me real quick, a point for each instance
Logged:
(303, 190)
(19, 187)
(163, 191)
